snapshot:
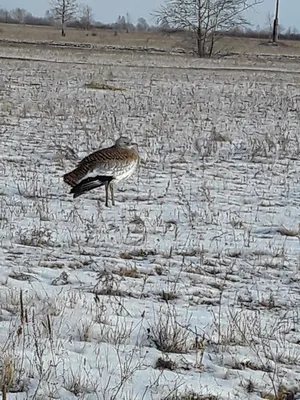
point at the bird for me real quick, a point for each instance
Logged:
(104, 167)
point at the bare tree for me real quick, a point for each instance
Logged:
(129, 24)
(205, 18)
(269, 24)
(142, 24)
(49, 17)
(121, 22)
(86, 16)
(19, 15)
(64, 11)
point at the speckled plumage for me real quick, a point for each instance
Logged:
(103, 167)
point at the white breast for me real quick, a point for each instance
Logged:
(125, 173)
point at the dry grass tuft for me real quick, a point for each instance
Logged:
(7, 377)
(165, 363)
(169, 296)
(141, 253)
(167, 335)
(102, 86)
(129, 272)
(191, 395)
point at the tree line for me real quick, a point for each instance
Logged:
(203, 22)
(68, 13)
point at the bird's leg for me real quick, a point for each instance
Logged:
(111, 185)
(106, 193)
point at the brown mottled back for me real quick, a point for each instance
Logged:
(106, 155)
(107, 159)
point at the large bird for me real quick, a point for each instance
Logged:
(104, 167)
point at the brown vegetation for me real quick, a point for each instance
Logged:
(167, 41)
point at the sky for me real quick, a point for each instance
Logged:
(108, 11)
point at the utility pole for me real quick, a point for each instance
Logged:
(275, 24)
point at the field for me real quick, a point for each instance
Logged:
(188, 288)
(99, 37)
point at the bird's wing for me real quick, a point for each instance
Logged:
(108, 161)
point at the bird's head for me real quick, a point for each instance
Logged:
(125, 142)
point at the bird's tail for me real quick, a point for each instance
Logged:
(73, 177)
(90, 183)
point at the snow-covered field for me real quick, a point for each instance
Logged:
(188, 288)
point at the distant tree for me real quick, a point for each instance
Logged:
(49, 17)
(85, 16)
(4, 16)
(281, 30)
(19, 14)
(129, 24)
(63, 11)
(269, 25)
(29, 19)
(291, 33)
(128, 19)
(32, 20)
(121, 22)
(142, 24)
(205, 18)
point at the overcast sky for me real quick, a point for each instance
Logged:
(108, 10)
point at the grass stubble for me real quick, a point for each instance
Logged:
(188, 289)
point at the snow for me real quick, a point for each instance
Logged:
(198, 262)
